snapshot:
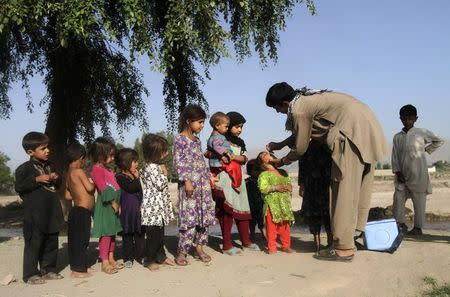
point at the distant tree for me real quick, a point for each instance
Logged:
(387, 166)
(442, 165)
(6, 178)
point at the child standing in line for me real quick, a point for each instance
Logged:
(195, 204)
(156, 207)
(81, 191)
(276, 188)
(133, 234)
(43, 219)
(232, 204)
(409, 165)
(314, 178)
(107, 206)
(222, 157)
(255, 199)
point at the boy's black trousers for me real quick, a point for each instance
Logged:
(40, 249)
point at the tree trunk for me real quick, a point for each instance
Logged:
(60, 126)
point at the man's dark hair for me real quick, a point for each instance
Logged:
(33, 140)
(125, 157)
(75, 151)
(278, 93)
(408, 110)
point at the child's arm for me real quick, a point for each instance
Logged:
(395, 161)
(27, 179)
(98, 176)
(265, 187)
(88, 186)
(156, 177)
(131, 187)
(433, 141)
(67, 194)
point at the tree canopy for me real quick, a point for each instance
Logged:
(86, 50)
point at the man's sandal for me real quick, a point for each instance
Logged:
(52, 276)
(35, 280)
(331, 255)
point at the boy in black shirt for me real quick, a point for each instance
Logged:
(43, 218)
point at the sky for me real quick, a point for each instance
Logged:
(385, 53)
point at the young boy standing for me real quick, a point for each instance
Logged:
(81, 191)
(409, 165)
(43, 219)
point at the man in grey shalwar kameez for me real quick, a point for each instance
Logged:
(356, 141)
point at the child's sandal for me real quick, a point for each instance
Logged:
(35, 280)
(181, 260)
(204, 257)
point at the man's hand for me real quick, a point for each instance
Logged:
(273, 146)
(278, 163)
(400, 177)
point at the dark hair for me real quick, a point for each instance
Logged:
(32, 140)
(408, 110)
(191, 112)
(235, 119)
(260, 165)
(217, 118)
(101, 148)
(252, 168)
(75, 151)
(153, 147)
(125, 157)
(278, 93)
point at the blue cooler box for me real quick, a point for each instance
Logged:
(380, 235)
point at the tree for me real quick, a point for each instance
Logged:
(86, 50)
(6, 178)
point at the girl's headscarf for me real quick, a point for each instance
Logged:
(235, 119)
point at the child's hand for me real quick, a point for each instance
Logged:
(213, 180)
(225, 159)
(43, 179)
(116, 207)
(136, 173)
(189, 188)
(164, 169)
(53, 176)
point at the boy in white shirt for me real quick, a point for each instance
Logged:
(409, 165)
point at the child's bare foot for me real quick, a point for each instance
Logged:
(76, 274)
(108, 268)
(153, 267)
(169, 262)
(91, 269)
(115, 264)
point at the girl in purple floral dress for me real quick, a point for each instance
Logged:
(195, 204)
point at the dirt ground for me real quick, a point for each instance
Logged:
(256, 273)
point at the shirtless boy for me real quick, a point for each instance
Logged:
(81, 191)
